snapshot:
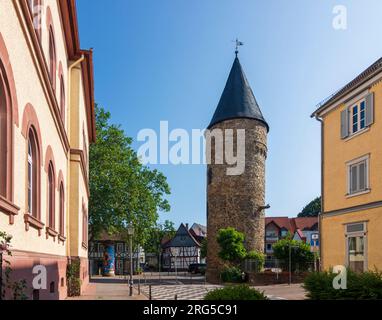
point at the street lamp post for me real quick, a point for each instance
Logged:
(130, 231)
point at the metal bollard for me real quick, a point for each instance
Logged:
(150, 295)
(176, 297)
(139, 286)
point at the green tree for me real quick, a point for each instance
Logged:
(157, 233)
(122, 190)
(231, 244)
(15, 288)
(312, 209)
(258, 257)
(301, 255)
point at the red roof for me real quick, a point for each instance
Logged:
(305, 223)
(281, 222)
(292, 224)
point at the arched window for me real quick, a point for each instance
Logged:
(4, 107)
(51, 200)
(52, 58)
(35, 11)
(86, 154)
(84, 227)
(62, 210)
(62, 98)
(31, 5)
(33, 174)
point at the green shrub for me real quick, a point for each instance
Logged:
(360, 286)
(240, 292)
(302, 257)
(73, 278)
(231, 274)
(231, 244)
(258, 258)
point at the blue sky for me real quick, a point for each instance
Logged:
(169, 60)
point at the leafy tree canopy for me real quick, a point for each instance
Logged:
(300, 252)
(122, 190)
(231, 244)
(157, 233)
(312, 209)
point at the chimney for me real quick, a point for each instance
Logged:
(187, 226)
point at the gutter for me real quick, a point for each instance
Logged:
(320, 215)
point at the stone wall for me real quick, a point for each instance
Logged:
(234, 201)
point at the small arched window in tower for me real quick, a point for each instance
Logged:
(4, 137)
(62, 98)
(51, 213)
(209, 176)
(52, 287)
(62, 210)
(33, 173)
(52, 58)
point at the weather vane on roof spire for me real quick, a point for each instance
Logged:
(238, 44)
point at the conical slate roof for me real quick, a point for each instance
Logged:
(237, 100)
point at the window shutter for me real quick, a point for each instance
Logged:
(369, 116)
(362, 176)
(345, 124)
(353, 179)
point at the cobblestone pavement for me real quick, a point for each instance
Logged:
(166, 287)
(178, 292)
(198, 292)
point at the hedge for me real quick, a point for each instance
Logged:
(238, 293)
(360, 286)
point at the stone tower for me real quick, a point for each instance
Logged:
(237, 201)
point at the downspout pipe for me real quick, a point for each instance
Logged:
(320, 215)
(71, 67)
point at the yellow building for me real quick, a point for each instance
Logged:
(351, 221)
(46, 125)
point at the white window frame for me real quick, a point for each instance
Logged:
(350, 110)
(356, 234)
(352, 163)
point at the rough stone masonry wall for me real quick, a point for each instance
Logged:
(233, 201)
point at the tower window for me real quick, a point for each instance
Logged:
(209, 174)
(52, 287)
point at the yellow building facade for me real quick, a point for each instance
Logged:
(47, 123)
(351, 218)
